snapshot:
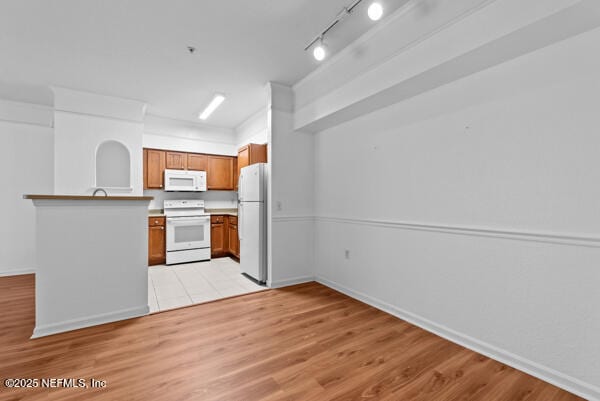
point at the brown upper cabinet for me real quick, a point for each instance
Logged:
(250, 154)
(154, 167)
(176, 160)
(220, 170)
(235, 173)
(243, 157)
(220, 173)
(197, 162)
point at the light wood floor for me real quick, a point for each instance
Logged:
(305, 342)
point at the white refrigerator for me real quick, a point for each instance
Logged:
(252, 221)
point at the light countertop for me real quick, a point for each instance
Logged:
(217, 212)
(228, 212)
(88, 198)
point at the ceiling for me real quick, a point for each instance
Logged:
(137, 49)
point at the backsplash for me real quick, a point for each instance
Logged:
(212, 199)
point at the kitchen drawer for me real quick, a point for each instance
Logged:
(233, 220)
(217, 219)
(156, 221)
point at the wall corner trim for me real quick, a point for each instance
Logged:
(290, 219)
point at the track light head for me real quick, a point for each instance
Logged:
(375, 11)
(320, 51)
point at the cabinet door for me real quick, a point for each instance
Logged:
(225, 235)
(219, 174)
(235, 174)
(176, 160)
(154, 169)
(244, 156)
(217, 240)
(197, 162)
(234, 245)
(250, 154)
(243, 160)
(157, 253)
(258, 153)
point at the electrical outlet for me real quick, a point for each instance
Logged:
(347, 254)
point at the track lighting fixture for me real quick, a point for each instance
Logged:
(375, 12)
(320, 51)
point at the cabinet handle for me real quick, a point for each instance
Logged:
(162, 228)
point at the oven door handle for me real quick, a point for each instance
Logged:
(178, 219)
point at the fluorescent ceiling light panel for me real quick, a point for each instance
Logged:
(212, 106)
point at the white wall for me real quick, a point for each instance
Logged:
(472, 210)
(169, 134)
(291, 194)
(92, 263)
(77, 138)
(26, 167)
(212, 199)
(432, 43)
(253, 130)
(184, 136)
(82, 121)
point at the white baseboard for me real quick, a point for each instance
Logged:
(568, 383)
(55, 328)
(291, 281)
(16, 272)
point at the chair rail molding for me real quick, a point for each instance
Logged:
(571, 239)
(293, 218)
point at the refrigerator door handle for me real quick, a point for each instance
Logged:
(240, 219)
(240, 192)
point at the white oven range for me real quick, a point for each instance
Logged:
(188, 231)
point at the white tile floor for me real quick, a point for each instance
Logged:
(192, 283)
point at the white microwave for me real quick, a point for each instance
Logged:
(185, 180)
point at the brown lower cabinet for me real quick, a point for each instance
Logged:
(217, 236)
(234, 240)
(224, 240)
(157, 244)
